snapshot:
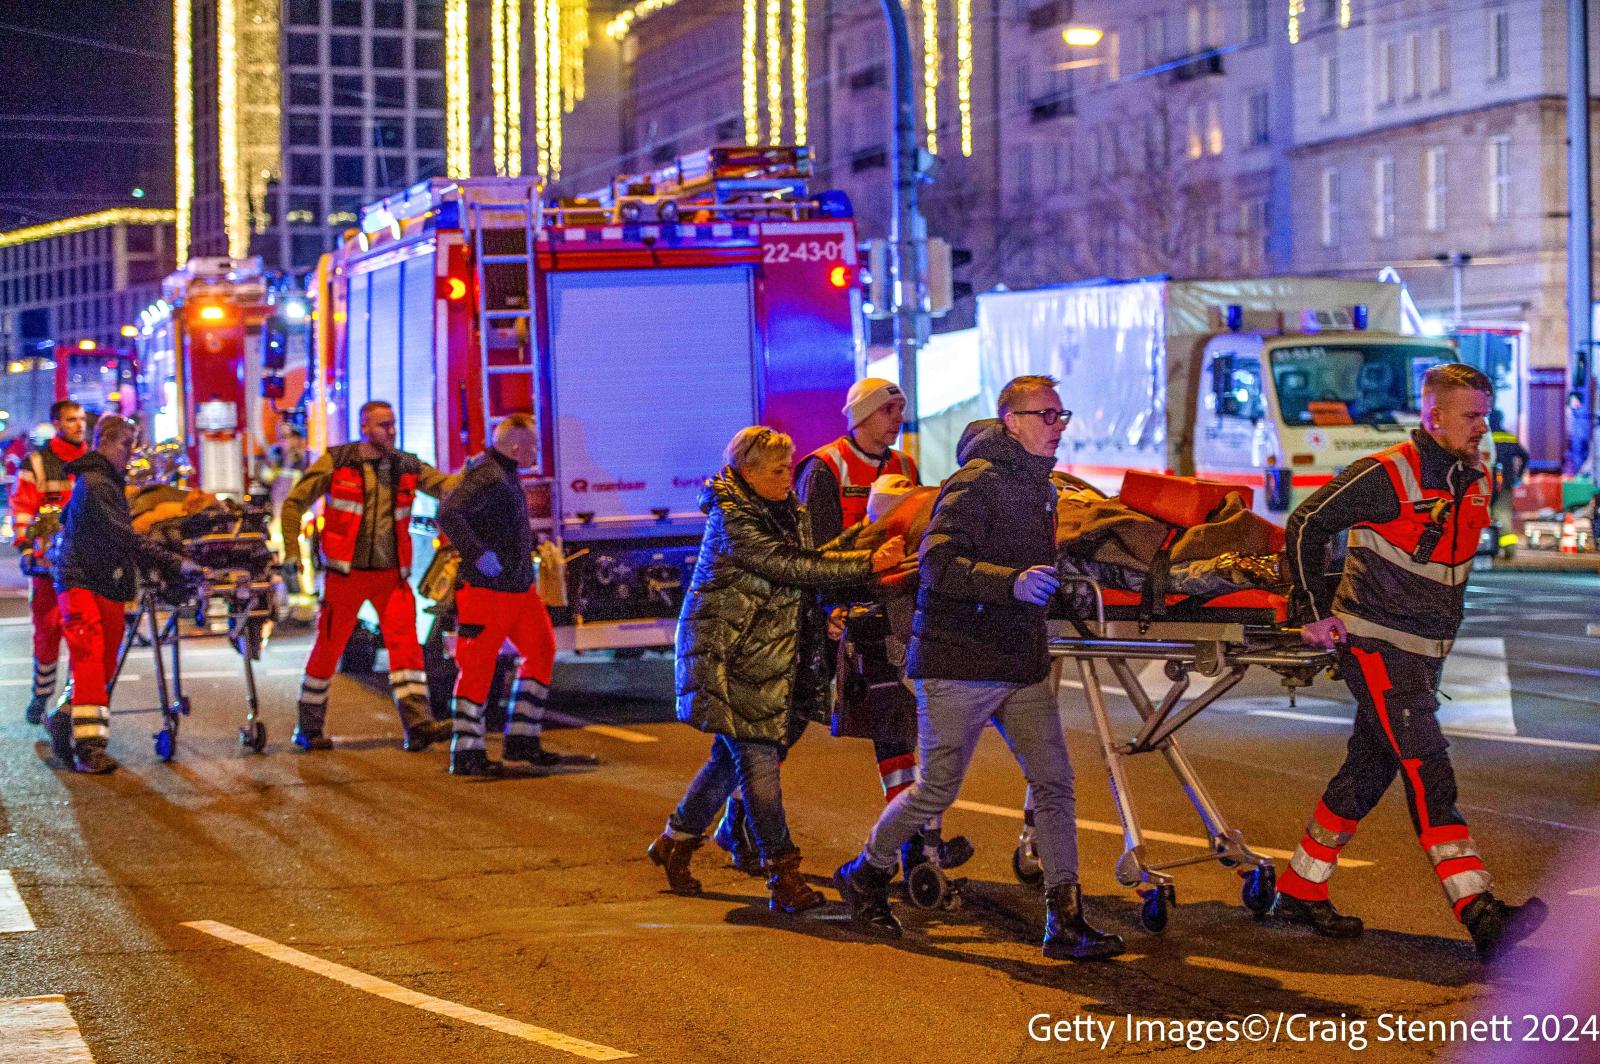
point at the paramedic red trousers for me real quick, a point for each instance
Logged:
(343, 595)
(485, 620)
(46, 611)
(1396, 732)
(93, 625)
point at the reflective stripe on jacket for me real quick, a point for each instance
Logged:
(347, 503)
(855, 473)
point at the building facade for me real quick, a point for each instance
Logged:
(81, 278)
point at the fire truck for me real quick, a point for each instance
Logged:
(99, 377)
(641, 327)
(222, 359)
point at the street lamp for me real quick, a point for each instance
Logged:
(1457, 261)
(1082, 36)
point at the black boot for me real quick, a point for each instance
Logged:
(865, 888)
(307, 740)
(1496, 927)
(1320, 916)
(475, 763)
(421, 736)
(953, 853)
(35, 711)
(93, 760)
(59, 724)
(1067, 935)
(530, 748)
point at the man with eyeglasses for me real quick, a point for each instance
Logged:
(979, 653)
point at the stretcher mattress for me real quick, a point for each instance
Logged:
(1252, 607)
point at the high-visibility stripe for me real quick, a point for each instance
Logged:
(1463, 886)
(1444, 833)
(1317, 850)
(1309, 868)
(1416, 644)
(1398, 459)
(345, 505)
(1297, 886)
(1439, 572)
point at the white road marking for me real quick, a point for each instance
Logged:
(1475, 678)
(1155, 836)
(14, 916)
(1586, 892)
(1462, 733)
(607, 730)
(15, 622)
(371, 984)
(40, 1030)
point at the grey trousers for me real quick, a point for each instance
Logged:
(951, 715)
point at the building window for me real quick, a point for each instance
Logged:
(427, 55)
(344, 50)
(388, 16)
(1195, 22)
(428, 14)
(344, 131)
(1193, 146)
(1500, 178)
(390, 170)
(429, 133)
(1499, 44)
(1384, 82)
(1113, 56)
(304, 250)
(388, 133)
(305, 90)
(1213, 127)
(300, 49)
(347, 12)
(1433, 181)
(430, 94)
(1411, 66)
(1330, 87)
(305, 169)
(1024, 86)
(389, 92)
(1022, 171)
(348, 90)
(305, 131)
(349, 171)
(305, 12)
(1255, 21)
(1383, 197)
(1214, 28)
(389, 53)
(1257, 118)
(1439, 73)
(1330, 207)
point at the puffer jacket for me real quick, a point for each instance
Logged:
(994, 518)
(752, 641)
(97, 548)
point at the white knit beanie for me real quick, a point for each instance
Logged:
(866, 396)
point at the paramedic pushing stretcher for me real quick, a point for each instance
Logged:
(1414, 513)
(97, 560)
(366, 555)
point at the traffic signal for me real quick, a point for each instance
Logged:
(879, 304)
(943, 288)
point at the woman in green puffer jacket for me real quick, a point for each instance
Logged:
(752, 653)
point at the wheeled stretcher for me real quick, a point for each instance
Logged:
(1219, 638)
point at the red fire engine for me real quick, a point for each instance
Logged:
(641, 327)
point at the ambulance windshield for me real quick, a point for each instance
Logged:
(1352, 383)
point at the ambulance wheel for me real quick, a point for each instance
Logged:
(1025, 866)
(1156, 908)
(253, 736)
(1260, 889)
(166, 743)
(927, 886)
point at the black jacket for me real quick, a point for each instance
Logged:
(97, 549)
(994, 518)
(752, 656)
(488, 512)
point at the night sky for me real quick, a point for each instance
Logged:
(85, 112)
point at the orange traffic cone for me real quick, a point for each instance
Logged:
(1569, 535)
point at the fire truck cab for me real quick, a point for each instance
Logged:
(639, 347)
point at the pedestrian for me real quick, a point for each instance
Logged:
(979, 653)
(486, 520)
(834, 483)
(1510, 462)
(1414, 513)
(752, 663)
(96, 572)
(366, 557)
(43, 486)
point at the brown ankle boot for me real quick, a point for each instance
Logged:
(790, 892)
(674, 855)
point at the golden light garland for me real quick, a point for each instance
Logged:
(964, 73)
(182, 122)
(1297, 10)
(505, 64)
(798, 69)
(550, 77)
(83, 222)
(774, 70)
(458, 90)
(619, 27)
(260, 114)
(234, 223)
(930, 72)
(1344, 14)
(574, 45)
(751, 94)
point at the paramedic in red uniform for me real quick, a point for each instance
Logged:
(366, 557)
(43, 482)
(486, 519)
(97, 560)
(1414, 513)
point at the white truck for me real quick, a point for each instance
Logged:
(1227, 380)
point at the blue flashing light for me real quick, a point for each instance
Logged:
(835, 203)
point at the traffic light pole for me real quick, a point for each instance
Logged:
(1580, 294)
(908, 231)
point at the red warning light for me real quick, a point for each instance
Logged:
(839, 276)
(455, 289)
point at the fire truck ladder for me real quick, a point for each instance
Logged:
(504, 234)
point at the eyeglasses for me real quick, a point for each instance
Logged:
(1049, 417)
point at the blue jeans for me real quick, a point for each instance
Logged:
(750, 767)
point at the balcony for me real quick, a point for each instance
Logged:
(1052, 106)
(872, 77)
(1194, 67)
(874, 158)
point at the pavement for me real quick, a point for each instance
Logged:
(361, 904)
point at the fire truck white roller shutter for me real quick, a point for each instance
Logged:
(383, 335)
(356, 339)
(415, 398)
(654, 371)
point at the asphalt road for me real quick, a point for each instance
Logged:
(360, 904)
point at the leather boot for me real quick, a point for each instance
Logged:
(790, 892)
(36, 709)
(865, 888)
(59, 724)
(530, 748)
(1320, 916)
(475, 763)
(673, 856)
(1496, 927)
(734, 835)
(1067, 935)
(93, 760)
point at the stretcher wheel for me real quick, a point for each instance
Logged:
(166, 743)
(1025, 866)
(1157, 906)
(1260, 889)
(183, 704)
(1224, 860)
(253, 736)
(928, 887)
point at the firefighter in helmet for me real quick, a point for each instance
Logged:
(366, 557)
(43, 486)
(1414, 514)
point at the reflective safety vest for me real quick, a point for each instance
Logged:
(52, 484)
(347, 504)
(1405, 579)
(855, 473)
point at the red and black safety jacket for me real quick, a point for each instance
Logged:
(835, 481)
(366, 523)
(43, 481)
(1414, 513)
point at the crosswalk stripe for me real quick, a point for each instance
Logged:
(14, 916)
(371, 984)
(40, 1030)
(1155, 836)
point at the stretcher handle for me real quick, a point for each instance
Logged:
(1094, 586)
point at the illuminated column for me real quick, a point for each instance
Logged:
(799, 73)
(930, 72)
(183, 120)
(458, 90)
(1297, 10)
(964, 73)
(774, 71)
(234, 223)
(752, 98)
(550, 77)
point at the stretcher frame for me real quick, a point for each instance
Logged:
(1226, 649)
